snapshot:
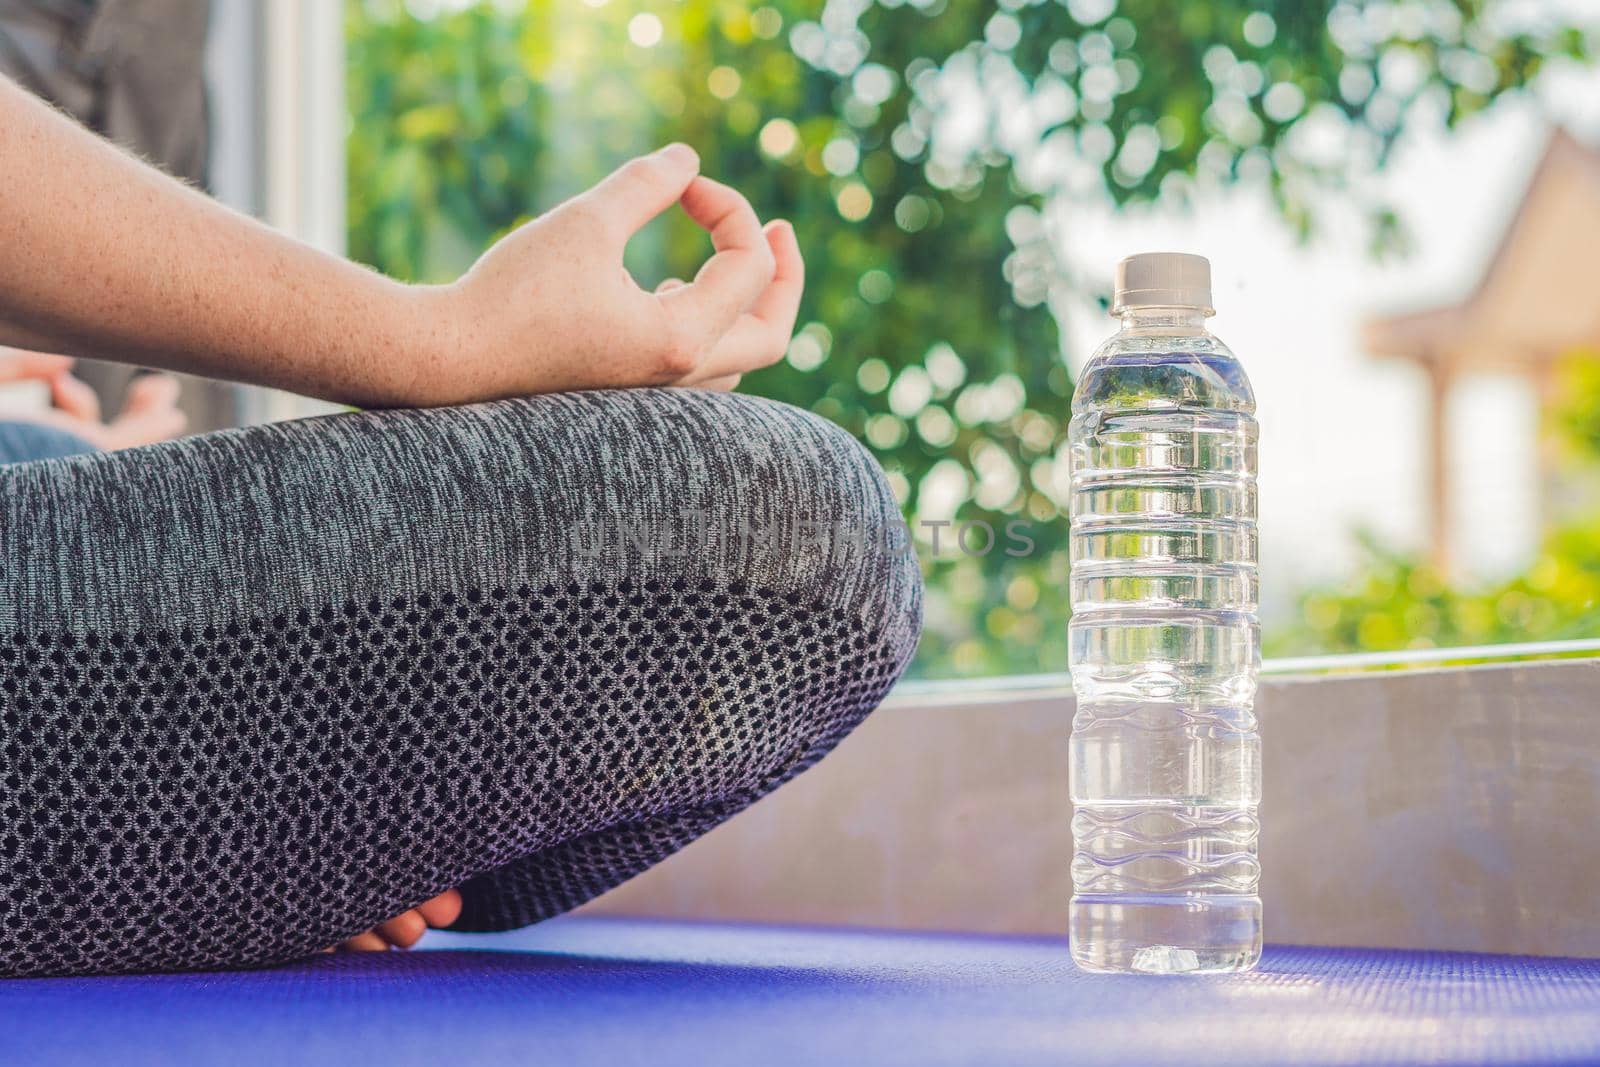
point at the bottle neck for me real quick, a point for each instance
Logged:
(1163, 320)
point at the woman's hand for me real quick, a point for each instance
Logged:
(551, 307)
(20, 365)
(150, 411)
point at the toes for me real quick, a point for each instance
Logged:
(406, 930)
(367, 942)
(443, 909)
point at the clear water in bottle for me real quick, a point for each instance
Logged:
(1166, 760)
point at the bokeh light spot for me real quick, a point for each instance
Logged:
(805, 352)
(1259, 29)
(779, 138)
(766, 23)
(876, 286)
(840, 156)
(873, 376)
(911, 213)
(886, 432)
(645, 30)
(723, 82)
(854, 202)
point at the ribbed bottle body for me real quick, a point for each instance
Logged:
(1166, 765)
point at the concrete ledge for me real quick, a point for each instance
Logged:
(1442, 809)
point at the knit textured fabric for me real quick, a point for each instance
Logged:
(263, 689)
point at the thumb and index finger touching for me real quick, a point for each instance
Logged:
(744, 263)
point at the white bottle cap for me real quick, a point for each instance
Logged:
(1163, 279)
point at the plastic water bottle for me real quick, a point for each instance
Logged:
(1166, 760)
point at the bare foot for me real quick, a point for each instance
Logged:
(407, 928)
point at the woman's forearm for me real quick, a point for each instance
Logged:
(101, 255)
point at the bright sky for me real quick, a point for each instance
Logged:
(1343, 434)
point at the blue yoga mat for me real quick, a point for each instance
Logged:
(579, 991)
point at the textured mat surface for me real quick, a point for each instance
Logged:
(606, 991)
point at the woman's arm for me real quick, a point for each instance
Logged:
(103, 256)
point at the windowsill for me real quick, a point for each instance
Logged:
(1406, 805)
(1032, 686)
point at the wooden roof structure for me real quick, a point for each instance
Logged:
(1539, 296)
(1537, 301)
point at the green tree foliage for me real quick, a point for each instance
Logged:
(921, 150)
(1398, 601)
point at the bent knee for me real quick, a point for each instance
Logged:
(828, 531)
(840, 557)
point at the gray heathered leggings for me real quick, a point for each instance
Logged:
(263, 689)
